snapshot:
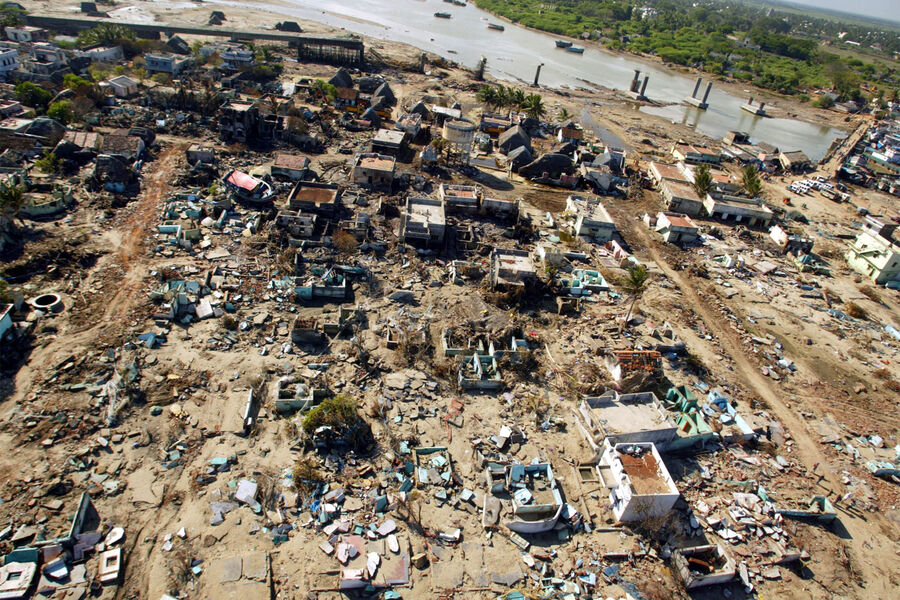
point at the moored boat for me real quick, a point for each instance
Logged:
(496, 27)
(575, 49)
(563, 44)
(443, 15)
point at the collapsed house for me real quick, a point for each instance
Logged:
(511, 268)
(624, 418)
(423, 221)
(534, 496)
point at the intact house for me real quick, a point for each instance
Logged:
(592, 220)
(696, 155)
(795, 161)
(462, 198)
(389, 141)
(680, 196)
(104, 54)
(236, 58)
(291, 166)
(410, 124)
(875, 253)
(9, 60)
(637, 479)
(660, 172)
(26, 34)
(623, 419)
(675, 228)
(320, 198)
(170, 64)
(733, 209)
(374, 169)
(423, 221)
(511, 269)
(123, 86)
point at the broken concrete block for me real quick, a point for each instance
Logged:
(404, 296)
(246, 492)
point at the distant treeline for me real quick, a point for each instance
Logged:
(775, 50)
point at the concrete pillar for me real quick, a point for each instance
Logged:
(750, 102)
(762, 105)
(708, 90)
(537, 74)
(696, 87)
(634, 82)
(644, 87)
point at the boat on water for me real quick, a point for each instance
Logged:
(496, 27)
(563, 44)
(443, 15)
(575, 49)
(457, 2)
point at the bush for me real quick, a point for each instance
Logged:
(62, 111)
(229, 323)
(49, 163)
(856, 311)
(338, 412)
(33, 95)
(344, 242)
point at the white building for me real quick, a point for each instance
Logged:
(26, 34)
(591, 219)
(459, 197)
(875, 253)
(423, 221)
(9, 60)
(123, 86)
(625, 418)
(105, 53)
(638, 482)
(676, 228)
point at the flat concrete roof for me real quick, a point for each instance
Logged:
(376, 163)
(425, 210)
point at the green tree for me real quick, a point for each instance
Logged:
(31, 94)
(534, 106)
(62, 111)
(751, 181)
(74, 82)
(703, 182)
(487, 95)
(323, 89)
(634, 285)
(564, 115)
(11, 16)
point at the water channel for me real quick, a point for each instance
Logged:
(514, 54)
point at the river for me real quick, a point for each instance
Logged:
(515, 53)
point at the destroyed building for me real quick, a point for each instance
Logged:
(639, 484)
(423, 221)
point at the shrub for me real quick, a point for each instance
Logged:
(49, 163)
(31, 94)
(344, 242)
(856, 311)
(229, 323)
(338, 412)
(62, 111)
(870, 293)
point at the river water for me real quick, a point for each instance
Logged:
(515, 53)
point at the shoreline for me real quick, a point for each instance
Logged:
(801, 111)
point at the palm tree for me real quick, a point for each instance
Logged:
(634, 284)
(703, 182)
(503, 96)
(534, 106)
(751, 181)
(564, 115)
(487, 95)
(516, 98)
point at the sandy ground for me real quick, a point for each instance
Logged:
(718, 312)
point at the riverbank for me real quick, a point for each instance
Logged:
(780, 105)
(606, 102)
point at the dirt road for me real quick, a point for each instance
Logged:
(807, 451)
